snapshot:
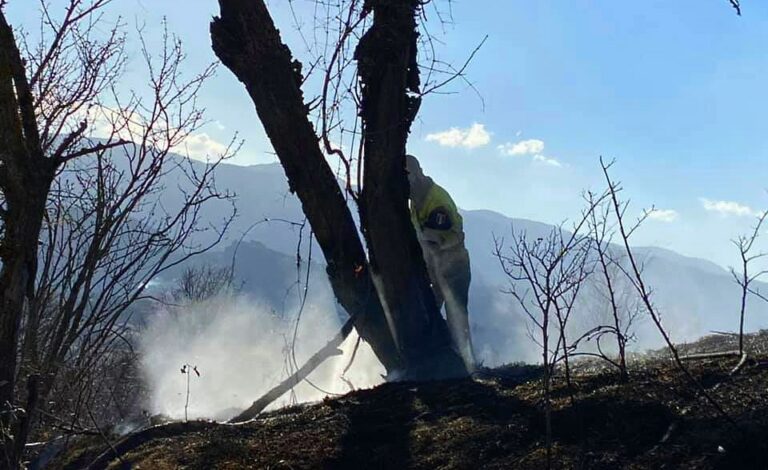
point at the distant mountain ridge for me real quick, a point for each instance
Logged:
(694, 295)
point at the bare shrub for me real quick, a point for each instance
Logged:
(199, 283)
(546, 276)
(745, 277)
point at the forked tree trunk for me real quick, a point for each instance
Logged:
(248, 43)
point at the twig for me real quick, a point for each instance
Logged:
(736, 6)
(104, 436)
(352, 358)
(458, 73)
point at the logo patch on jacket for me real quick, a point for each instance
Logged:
(439, 219)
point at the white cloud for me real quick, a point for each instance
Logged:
(727, 208)
(546, 160)
(532, 147)
(524, 147)
(664, 215)
(105, 123)
(200, 146)
(473, 137)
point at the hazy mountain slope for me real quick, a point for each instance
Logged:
(694, 295)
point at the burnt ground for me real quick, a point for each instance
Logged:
(656, 420)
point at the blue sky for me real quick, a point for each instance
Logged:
(676, 92)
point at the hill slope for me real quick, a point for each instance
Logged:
(654, 421)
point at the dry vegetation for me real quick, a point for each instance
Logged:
(656, 420)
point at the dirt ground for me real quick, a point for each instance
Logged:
(656, 420)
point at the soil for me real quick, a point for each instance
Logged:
(657, 419)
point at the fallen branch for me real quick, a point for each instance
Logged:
(724, 333)
(715, 355)
(329, 350)
(711, 355)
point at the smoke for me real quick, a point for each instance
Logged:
(241, 349)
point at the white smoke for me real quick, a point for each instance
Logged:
(241, 350)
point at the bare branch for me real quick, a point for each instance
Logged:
(736, 6)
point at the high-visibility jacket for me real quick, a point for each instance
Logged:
(438, 217)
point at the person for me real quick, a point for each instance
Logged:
(439, 228)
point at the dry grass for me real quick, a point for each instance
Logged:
(496, 422)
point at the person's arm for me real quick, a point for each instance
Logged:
(431, 236)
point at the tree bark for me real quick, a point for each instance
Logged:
(248, 43)
(25, 179)
(389, 74)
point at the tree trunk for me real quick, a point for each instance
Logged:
(247, 42)
(18, 251)
(25, 179)
(388, 71)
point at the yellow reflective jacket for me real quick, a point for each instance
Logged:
(439, 217)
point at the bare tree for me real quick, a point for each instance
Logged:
(546, 276)
(83, 215)
(745, 277)
(37, 140)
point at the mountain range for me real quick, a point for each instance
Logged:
(694, 296)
